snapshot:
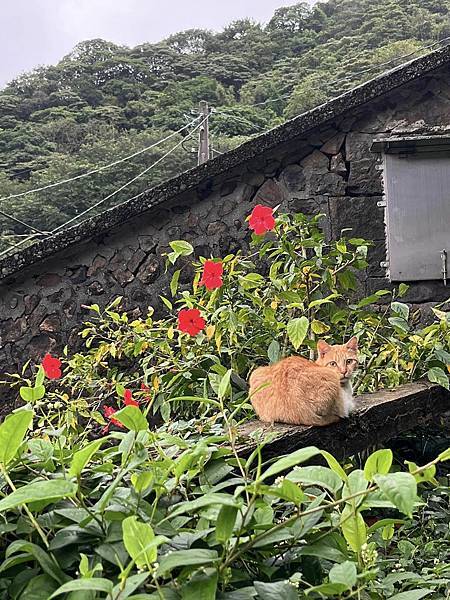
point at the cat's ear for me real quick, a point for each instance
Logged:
(352, 344)
(322, 348)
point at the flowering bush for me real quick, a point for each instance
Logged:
(174, 512)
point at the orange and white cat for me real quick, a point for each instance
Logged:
(298, 391)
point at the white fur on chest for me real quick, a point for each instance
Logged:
(348, 403)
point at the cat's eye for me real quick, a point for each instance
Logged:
(350, 361)
(332, 364)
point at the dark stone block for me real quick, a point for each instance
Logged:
(51, 324)
(361, 215)
(150, 270)
(97, 265)
(271, 193)
(293, 178)
(49, 280)
(30, 303)
(123, 277)
(364, 177)
(95, 289)
(216, 228)
(375, 255)
(426, 291)
(136, 260)
(228, 187)
(79, 275)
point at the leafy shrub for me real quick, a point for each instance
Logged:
(173, 511)
(291, 288)
(140, 514)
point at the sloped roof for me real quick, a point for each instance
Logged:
(247, 151)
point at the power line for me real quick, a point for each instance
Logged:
(6, 215)
(122, 187)
(60, 227)
(238, 118)
(117, 162)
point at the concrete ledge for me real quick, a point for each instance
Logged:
(380, 416)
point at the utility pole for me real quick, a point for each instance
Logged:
(203, 142)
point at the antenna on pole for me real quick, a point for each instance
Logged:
(203, 142)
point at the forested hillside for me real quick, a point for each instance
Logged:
(103, 102)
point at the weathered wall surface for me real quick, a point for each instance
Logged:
(330, 170)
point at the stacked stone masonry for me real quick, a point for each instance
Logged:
(329, 169)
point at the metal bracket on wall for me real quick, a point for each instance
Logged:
(381, 203)
(444, 265)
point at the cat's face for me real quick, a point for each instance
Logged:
(343, 359)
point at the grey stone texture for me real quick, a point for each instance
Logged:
(329, 169)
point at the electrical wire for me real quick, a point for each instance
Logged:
(122, 187)
(60, 227)
(117, 162)
(6, 215)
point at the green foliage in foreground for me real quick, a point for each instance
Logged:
(176, 512)
(169, 514)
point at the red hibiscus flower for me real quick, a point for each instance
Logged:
(190, 321)
(212, 275)
(108, 411)
(261, 219)
(128, 398)
(52, 367)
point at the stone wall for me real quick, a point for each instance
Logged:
(330, 169)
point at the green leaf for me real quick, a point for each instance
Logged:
(379, 462)
(327, 589)
(51, 490)
(140, 542)
(32, 394)
(288, 490)
(142, 481)
(38, 588)
(399, 323)
(355, 484)
(437, 375)
(344, 573)
(225, 523)
(83, 456)
(45, 560)
(97, 584)
(12, 432)
(174, 283)
(273, 351)
(403, 289)
(206, 500)
(132, 418)
(401, 309)
(443, 456)
(286, 462)
(334, 465)
(180, 248)
(353, 528)
(411, 595)
(202, 586)
(318, 327)
(321, 301)
(400, 489)
(276, 590)
(317, 475)
(297, 330)
(40, 376)
(186, 558)
(224, 386)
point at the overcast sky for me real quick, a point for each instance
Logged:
(39, 32)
